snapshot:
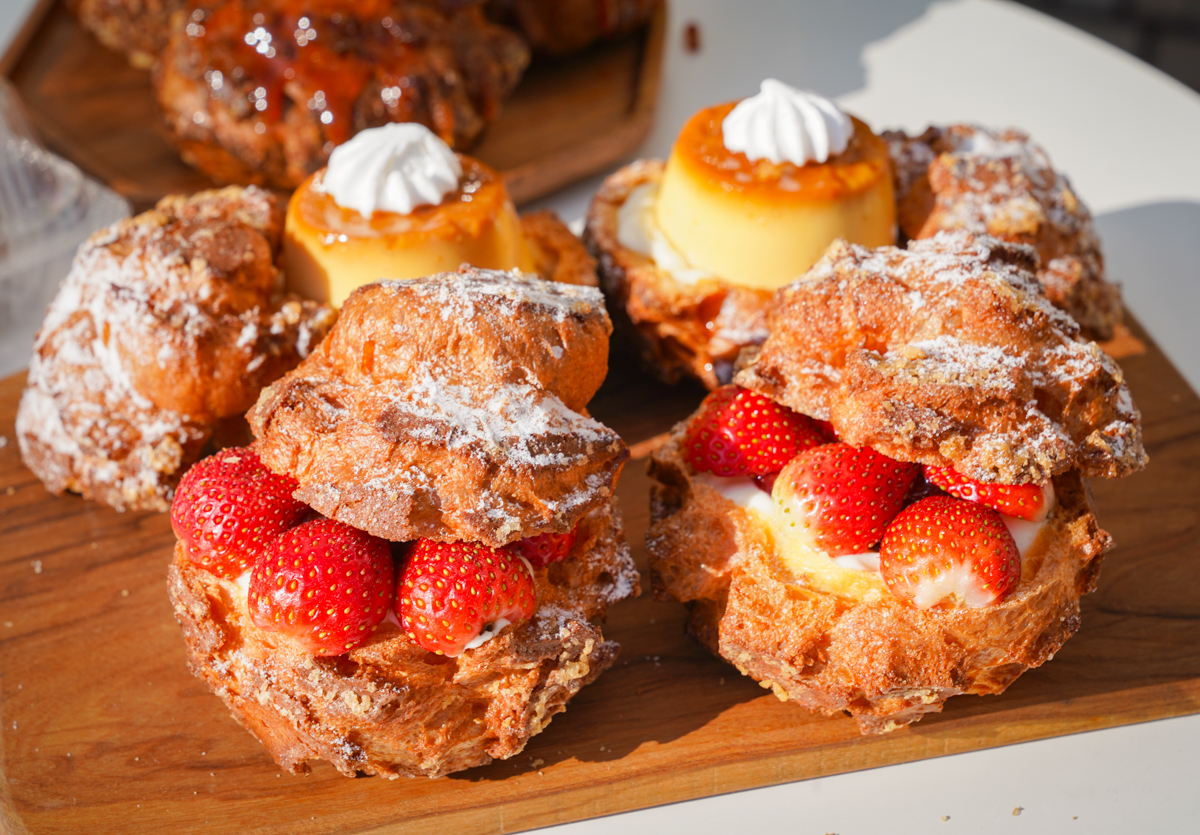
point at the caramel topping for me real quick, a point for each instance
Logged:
(477, 202)
(701, 148)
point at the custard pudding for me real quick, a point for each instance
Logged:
(752, 195)
(395, 202)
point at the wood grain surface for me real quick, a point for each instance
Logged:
(567, 119)
(102, 729)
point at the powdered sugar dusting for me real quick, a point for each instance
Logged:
(135, 315)
(983, 373)
(457, 293)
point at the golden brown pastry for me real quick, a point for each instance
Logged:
(252, 96)
(442, 407)
(391, 708)
(947, 354)
(1000, 183)
(944, 354)
(448, 410)
(167, 326)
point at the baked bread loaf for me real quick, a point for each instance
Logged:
(946, 354)
(270, 111)
(1000, 183)
(449, 411)
(162, 335)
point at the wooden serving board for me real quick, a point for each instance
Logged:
(567, 119)
(103, 730)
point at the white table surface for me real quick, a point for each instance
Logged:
(1128, 136)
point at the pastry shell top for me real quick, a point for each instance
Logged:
(450, 407)
(948, 354)
(1000, 183)
(679, 329)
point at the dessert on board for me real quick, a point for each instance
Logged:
(690, 251)
(160, 338)
(1000, 183)
(887, 508)
(753, 192)
(397, 202)
(443, 600)
(262, 92)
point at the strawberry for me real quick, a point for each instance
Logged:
(228, 508)
(449, 592)
(842, 496)
(943, 547)
(739, 432)
(1023, 501)
(324, 583)
(545, 548)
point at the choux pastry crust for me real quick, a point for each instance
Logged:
(885, 662)
(948, 354)
(999, 183)
(167, 327)
(450, 407)
(389, 707)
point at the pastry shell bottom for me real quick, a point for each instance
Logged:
(884, 662)
(389, 707)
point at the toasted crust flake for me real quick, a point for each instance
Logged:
(948, 354)
(679, 330)
(557, 253)
(167, 326)
(390, 708)
(450, 407)
(1000, 183)
(885, 662)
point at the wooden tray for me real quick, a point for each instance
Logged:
(103, 729)
(568, 118)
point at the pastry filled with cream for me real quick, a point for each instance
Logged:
(886, 508)
(396, 202)
(750, 197)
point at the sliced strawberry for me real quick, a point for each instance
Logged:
(324, 583)
(545, 548)
(739, 432)
(1023, 501)
(228, 508)
(449, 592)
(946, 548)
(841, 496)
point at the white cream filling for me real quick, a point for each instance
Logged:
(393, 168)
(490, 630)
(638, 230)
(744, 493)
